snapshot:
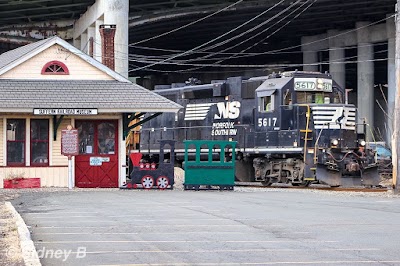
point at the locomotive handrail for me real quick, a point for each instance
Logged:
(308, 114)
(317, 140)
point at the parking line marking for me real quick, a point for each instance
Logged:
(217, 250)
(64, 217)
(188, 241)
(348, 262)
(148, 226)
(52, 213)
(48, 219)
(146, 233)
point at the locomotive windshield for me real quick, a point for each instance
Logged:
(318, 97)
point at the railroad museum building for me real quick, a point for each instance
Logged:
(48, 85)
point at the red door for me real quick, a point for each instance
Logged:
(97, 162)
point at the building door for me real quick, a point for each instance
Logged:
(97, 162)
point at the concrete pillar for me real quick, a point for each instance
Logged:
(77, 42)
(365, 78)
(116, 12)
(309, 60)
(310, 53)
(97, 40)
(84, 42)
(391, 35)
(91, 34)
(109, 12)
(336, 56)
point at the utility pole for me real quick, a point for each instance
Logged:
(396, 126)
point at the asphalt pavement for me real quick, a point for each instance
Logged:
(276, 227)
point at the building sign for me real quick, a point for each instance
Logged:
(98, 161)
(64, 111)
(69, 142)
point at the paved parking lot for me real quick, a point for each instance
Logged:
(275, 227)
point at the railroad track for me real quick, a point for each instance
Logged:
(315, 187)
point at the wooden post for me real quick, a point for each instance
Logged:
(396, 126)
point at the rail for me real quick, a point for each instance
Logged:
(316, 187)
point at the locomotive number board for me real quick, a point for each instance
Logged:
(313, 84)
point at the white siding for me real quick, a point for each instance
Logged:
(78, 68)
(56, 175)
(49, 176)
(2, 142)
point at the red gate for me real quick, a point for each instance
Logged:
(97, 162)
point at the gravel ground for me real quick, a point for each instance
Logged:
(10, 252)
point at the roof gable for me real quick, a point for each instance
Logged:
(16, 57)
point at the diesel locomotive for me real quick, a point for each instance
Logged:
(293, 127)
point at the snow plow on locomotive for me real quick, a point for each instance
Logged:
(292, 127)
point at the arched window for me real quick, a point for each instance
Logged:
(55, 68)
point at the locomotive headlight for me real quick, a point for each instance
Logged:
(320, 84)
(334, 142)
(362, 143)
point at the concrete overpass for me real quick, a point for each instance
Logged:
(163, 41)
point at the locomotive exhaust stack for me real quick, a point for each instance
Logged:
(293, 128)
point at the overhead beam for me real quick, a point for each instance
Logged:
(18, 3)
(36, 16)
(41, 8)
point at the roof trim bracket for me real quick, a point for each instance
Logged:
(56, 124)
(144, 120)
(127, 119)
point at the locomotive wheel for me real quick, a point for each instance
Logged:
(162, 182)
(266, 183)
(268, 180)
(302, 184)
(147, 182)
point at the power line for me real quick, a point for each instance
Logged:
(337, 61)
(277, 51)
(333, 36)
(259, 33)
(243, 33)
(272, 51)
(252, 53)
(253, 28)
(268, 65)
(198, 47)
(187, 25)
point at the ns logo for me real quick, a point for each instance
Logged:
(229, 110)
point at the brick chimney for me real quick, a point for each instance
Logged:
(107, 33)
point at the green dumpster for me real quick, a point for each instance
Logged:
(209, 163)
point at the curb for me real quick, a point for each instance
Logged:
(29, 253)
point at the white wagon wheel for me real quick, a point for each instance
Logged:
(162, 182)
(147, 181)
